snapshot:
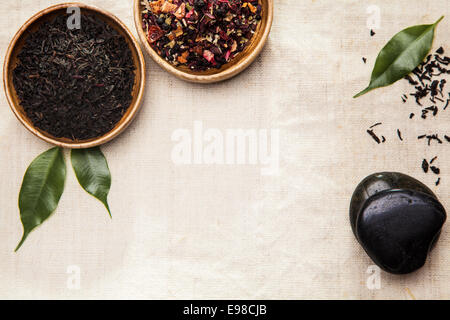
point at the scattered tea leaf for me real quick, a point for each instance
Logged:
(91, 169)
(42, 187)
(401, 55)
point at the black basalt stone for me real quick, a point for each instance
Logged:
(397, 220)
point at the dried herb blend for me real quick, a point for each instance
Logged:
(75, 83)
(200, 34)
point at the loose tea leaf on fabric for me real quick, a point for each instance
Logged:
(42, 187)
(91, 169)
(401, 55)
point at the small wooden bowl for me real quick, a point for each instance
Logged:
(228, 70)
(11, 61)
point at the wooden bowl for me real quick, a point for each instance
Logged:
(11, 61)
(228, 70)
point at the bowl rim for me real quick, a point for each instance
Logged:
(122, 124)
(220, 76)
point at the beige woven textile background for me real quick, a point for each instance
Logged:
(227, 231)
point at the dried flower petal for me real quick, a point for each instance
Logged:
(227, 55)
(190, 13)
(208, 55)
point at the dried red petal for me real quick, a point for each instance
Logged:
(224, 35)
(190, 13)
(208, 55)
(227, 55)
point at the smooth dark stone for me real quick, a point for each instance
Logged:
(397, 220)
(378, 182)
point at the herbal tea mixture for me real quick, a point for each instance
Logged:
(75, 84)
(200, 34)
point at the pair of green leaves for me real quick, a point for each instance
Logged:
(43, 183)
(401, 55)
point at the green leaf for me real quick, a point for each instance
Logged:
(401, 55)
(92, 172)
(42, 187)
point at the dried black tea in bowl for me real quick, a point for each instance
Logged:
(200, 34)
(75, 83)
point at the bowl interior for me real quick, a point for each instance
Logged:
(11, 62)
(202, 76)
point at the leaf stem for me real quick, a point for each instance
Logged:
(440, 19)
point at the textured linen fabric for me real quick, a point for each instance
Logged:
(227, 231)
